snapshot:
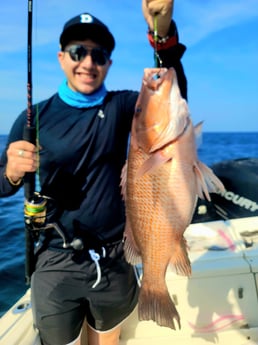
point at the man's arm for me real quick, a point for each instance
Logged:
(168, 49)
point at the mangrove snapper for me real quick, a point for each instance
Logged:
(160, 183)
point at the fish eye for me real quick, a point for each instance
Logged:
(138, 110)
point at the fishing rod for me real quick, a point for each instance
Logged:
(29, 132)
(36, 213)
(34, 204)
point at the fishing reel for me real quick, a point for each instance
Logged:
(35, 211)
(35, 214)
(36, 218)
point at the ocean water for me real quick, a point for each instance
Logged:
(215, 147)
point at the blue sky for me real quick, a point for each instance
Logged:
(221, 61)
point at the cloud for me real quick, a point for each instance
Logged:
(200, 19)
(220, 36)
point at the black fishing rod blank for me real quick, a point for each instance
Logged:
(29, 132)
(34, 204)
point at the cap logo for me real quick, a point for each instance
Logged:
(86, 18)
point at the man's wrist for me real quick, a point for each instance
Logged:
(166, 42)
(162, 42)
(11, 181)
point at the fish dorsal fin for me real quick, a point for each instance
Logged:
(198, 134)
(207, 181)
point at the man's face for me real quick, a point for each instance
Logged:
(84, 76)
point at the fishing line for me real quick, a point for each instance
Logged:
(158, 61)
(155, 37)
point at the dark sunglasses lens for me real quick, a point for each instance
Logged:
(99, 56)
(77, 53)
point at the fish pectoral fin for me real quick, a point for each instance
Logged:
(156, 304)
(207, 181)
(172, 132)
(156, 160)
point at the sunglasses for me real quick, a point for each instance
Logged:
(77, 53)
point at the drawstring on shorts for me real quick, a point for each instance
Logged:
(95, 257)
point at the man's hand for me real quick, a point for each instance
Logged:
(163, 9)
(21, 158)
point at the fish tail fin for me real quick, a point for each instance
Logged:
(131, 250)
(158, 306)
(180, 259)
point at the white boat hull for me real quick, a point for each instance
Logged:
(218, 304)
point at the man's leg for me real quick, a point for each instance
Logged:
(104, 338)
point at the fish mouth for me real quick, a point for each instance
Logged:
(154, 77)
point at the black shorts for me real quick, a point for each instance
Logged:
(65, 291)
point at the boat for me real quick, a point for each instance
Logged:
(219, 302)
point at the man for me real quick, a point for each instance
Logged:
(80, 270)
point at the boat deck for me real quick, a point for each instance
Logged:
(218, 304)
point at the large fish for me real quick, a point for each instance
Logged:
(160, 183)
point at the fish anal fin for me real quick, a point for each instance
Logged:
(131, 250)
(180, 259)
(156, 305)
(123, 180)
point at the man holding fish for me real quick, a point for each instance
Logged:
(81, 272)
